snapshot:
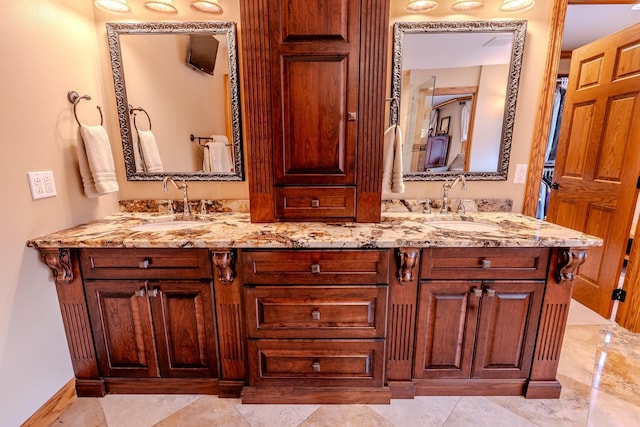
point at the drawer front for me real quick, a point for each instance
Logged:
(315, 202)
(145, 263)
(334, 363)
(302, 267)
(485, 263)
(316, 312)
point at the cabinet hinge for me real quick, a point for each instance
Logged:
(619, 295)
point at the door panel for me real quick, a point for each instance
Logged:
(598, 162)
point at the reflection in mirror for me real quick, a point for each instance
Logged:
(457, 85)
(177, 93)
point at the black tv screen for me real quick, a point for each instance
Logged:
(202, 53)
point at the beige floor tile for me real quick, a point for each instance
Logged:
(606, 410)
(137, 410)
(568, 411)
(480, 412)
(346, 416)
(83, 412)
(422, 411)
(275, 415)
(581, 315)
(208, 411)
(579, 352)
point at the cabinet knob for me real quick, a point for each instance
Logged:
(316, 366)
(140, 292)
(144, 263)
(315, 203)
(491, 292)
(315, 314)
(477, 292)
(315, 268)
(485, 263)
(352, 116)
(153, 292)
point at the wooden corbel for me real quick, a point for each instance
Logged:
(407, 260)
(568, 262)
(59, 261)
(224, 262)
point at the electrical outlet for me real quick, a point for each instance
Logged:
(521, 174)
(42, 184)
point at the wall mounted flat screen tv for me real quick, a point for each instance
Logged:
(202, 52)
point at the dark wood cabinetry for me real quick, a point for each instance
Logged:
(314, 80)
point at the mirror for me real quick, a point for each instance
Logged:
(454, 90)
(177, 94)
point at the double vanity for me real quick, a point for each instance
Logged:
(417, 304)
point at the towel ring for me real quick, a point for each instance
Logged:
(133, 110)
(75, 99)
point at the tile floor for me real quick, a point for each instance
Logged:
(592, 345)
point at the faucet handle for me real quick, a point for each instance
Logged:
(427, 206)
(461, 208)
(170, 207)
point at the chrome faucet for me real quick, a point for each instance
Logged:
(445, 190)
(186, 211)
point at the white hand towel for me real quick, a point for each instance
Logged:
(85, 172)
(219, 154)
(95, 148)
(206, 160)
(150, 153)
(392, 181)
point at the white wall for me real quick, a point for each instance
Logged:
(48, 48)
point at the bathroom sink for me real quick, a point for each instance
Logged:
(170, 225)
(463, 225)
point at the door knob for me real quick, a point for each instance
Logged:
(555, 185)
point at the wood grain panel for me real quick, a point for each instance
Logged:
(582, 117)
(590, 72)
(615, 138)
(627, 62)
(597, 223)
(314, 19)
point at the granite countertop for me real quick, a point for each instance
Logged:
(229, 230)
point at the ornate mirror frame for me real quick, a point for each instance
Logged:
(518, 29)
(114, 30)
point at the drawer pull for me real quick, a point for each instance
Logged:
(491, 293)
(486, 263)
(315, 268)
(315, 314)
(140, 292)
(316, 366)
(315, 203)
(477, 292)
(144, 263)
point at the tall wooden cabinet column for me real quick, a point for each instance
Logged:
(314, 81)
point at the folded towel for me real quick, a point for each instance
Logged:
(96, 161)
(392, 179)
(150, 153)
(217, 157)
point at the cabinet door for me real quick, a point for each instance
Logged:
(184, 328)
(507, 327)
(121, 325)
(315, 94)
(445, 330)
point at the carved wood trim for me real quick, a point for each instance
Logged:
(568, 262)
(407, 260)
(59, 260)
(224, 262)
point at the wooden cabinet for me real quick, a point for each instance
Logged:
(315, 319)
(314, 79)
(151, 314)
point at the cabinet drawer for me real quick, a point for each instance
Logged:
(145, 263)
(485, 263)
(335, 363)
(315, 202)
(303, 267)
(316, 312)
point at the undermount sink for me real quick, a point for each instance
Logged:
(463, 225)
(170, 225)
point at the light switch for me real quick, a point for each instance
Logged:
(521, 174)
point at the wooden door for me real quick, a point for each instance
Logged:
(509, 315)
(598, 160)
(184, 328)
(446, 328)
(121, 325)
(315, 97)
(436, 151)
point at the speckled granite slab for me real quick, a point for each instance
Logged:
(225, 230)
